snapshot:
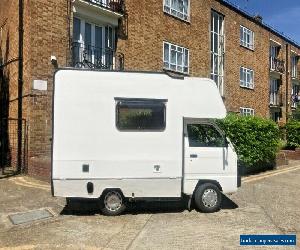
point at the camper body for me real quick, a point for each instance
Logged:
(120, 136)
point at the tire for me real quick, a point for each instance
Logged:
(208, 198)
(112, 203)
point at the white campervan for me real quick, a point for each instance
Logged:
(123, 136)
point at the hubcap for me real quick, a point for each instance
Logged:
(113, 201)
(209, 198)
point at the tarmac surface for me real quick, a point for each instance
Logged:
(267, 203)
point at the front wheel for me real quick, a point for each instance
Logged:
(208, 198)
(113, 203)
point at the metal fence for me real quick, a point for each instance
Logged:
(9, 153)
(87, 56)
(113, 5)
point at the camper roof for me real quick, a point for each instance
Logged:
(193, 97)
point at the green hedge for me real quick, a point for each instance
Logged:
(296, 114)
(256, 140)
(293, 134)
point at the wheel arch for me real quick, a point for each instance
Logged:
(106, 190)
(204, 181)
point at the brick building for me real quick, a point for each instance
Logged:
(256, 68)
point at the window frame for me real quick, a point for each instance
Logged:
(107, 41)
(168, 9)
(246, 72)
(274, 91)
(140, 100)
(217, 52)
(110, 43)
(244, 33)
(244, 111)
(274, 53)
(276, 116)
(294, 66)
(218, 130)
(295, 87)
(176, 65)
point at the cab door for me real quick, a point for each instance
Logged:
(205, 150)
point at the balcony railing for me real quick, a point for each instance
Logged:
(296, 74)
(295, 100)
(87, 56)
(113, 5)
(294, 105)
(276, 99)
(277, 65)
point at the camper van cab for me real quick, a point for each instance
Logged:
(125, 136)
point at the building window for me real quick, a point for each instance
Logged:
(276, 115)
(275, 63)
(295, 92)
(177, 8)
(274, 92)
(294, 66)
(246, 37)
(176, 58)
(246, 111)
(93, 43)
(141, 115)
(217, 50)
(246, 78)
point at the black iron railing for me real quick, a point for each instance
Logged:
(277, 65)
(87, 56)
(113, 5)
(9, 152)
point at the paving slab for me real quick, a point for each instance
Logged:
(31, 216)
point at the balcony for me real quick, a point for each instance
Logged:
(91, 57)
(295, 75)
(277, 65)
(276, 99)
(295, 95)
(112, 5)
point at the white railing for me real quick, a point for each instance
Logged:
(274, 99)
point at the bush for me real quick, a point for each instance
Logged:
(293, 134)
(256, 140)
(296, 114)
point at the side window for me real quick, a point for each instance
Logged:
(204, 135)
(141, 115)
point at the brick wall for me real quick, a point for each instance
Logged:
(49, 28)
(46, 33)
(237, 56)
(9, 50)
(291, 154)
(149, 26)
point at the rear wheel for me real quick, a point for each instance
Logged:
(208, 198)
(113, 203)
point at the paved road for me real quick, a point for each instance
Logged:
(268, 205)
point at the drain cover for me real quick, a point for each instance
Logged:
(30, 216)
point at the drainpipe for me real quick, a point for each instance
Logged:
(287, 99)
(20, 86)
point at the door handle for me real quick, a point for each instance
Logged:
(193, 156)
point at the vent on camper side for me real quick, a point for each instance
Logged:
(85, 168)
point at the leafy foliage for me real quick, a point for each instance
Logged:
(293, 133)
(255, 139)
(296, 114)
